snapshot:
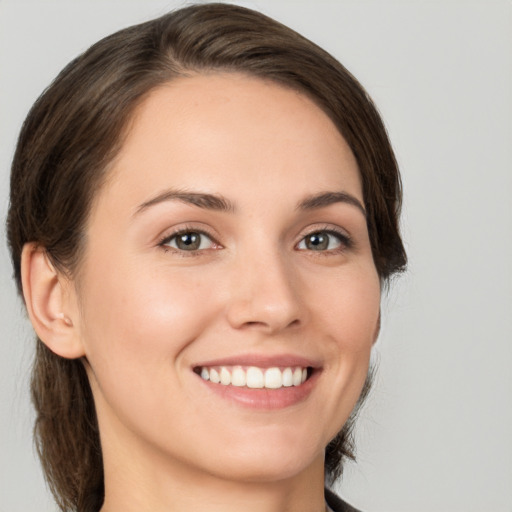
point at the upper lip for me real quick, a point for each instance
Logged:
(261, 361)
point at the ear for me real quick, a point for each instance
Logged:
(51, 303)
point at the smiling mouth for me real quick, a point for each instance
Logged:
(254, 377)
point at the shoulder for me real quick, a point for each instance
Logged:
(337, 504)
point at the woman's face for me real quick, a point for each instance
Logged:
(229, 243)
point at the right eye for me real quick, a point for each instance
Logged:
(188, 241)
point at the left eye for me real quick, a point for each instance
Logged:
(321, 241)
(189, 241)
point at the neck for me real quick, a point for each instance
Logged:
(137, 485)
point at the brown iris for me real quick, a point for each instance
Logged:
(317, 241)
(189, 241)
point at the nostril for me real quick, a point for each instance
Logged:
(264, 310)
(248, 325)
(256, 324)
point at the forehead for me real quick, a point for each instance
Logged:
(210, 130)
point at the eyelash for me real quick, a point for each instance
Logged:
(163, 243)
(345, 242)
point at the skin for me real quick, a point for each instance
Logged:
(144, 314)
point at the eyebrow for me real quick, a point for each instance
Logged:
(327, 198)
(202, 200)
(217, 202)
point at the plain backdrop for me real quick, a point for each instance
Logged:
(436, 433)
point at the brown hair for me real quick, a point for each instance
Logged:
(76, 128)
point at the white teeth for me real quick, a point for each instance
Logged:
(273, 378)
(287, 378)
(238, 377)
(297, 376)
(225, 377)
(254, 377)
(214, 376)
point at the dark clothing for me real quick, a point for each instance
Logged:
(337, 504)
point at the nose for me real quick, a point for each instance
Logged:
(265, 294)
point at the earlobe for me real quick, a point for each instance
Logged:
(49, 305)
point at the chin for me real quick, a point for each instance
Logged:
(271, 458)
(267, 470)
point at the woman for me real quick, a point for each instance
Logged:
(203, 212)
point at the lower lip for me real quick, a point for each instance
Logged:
(263, 398)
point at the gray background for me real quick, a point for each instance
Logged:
(436, 434)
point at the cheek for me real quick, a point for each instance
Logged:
(348, 305)
(137, 326)
(348, 315)
(132, 315)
